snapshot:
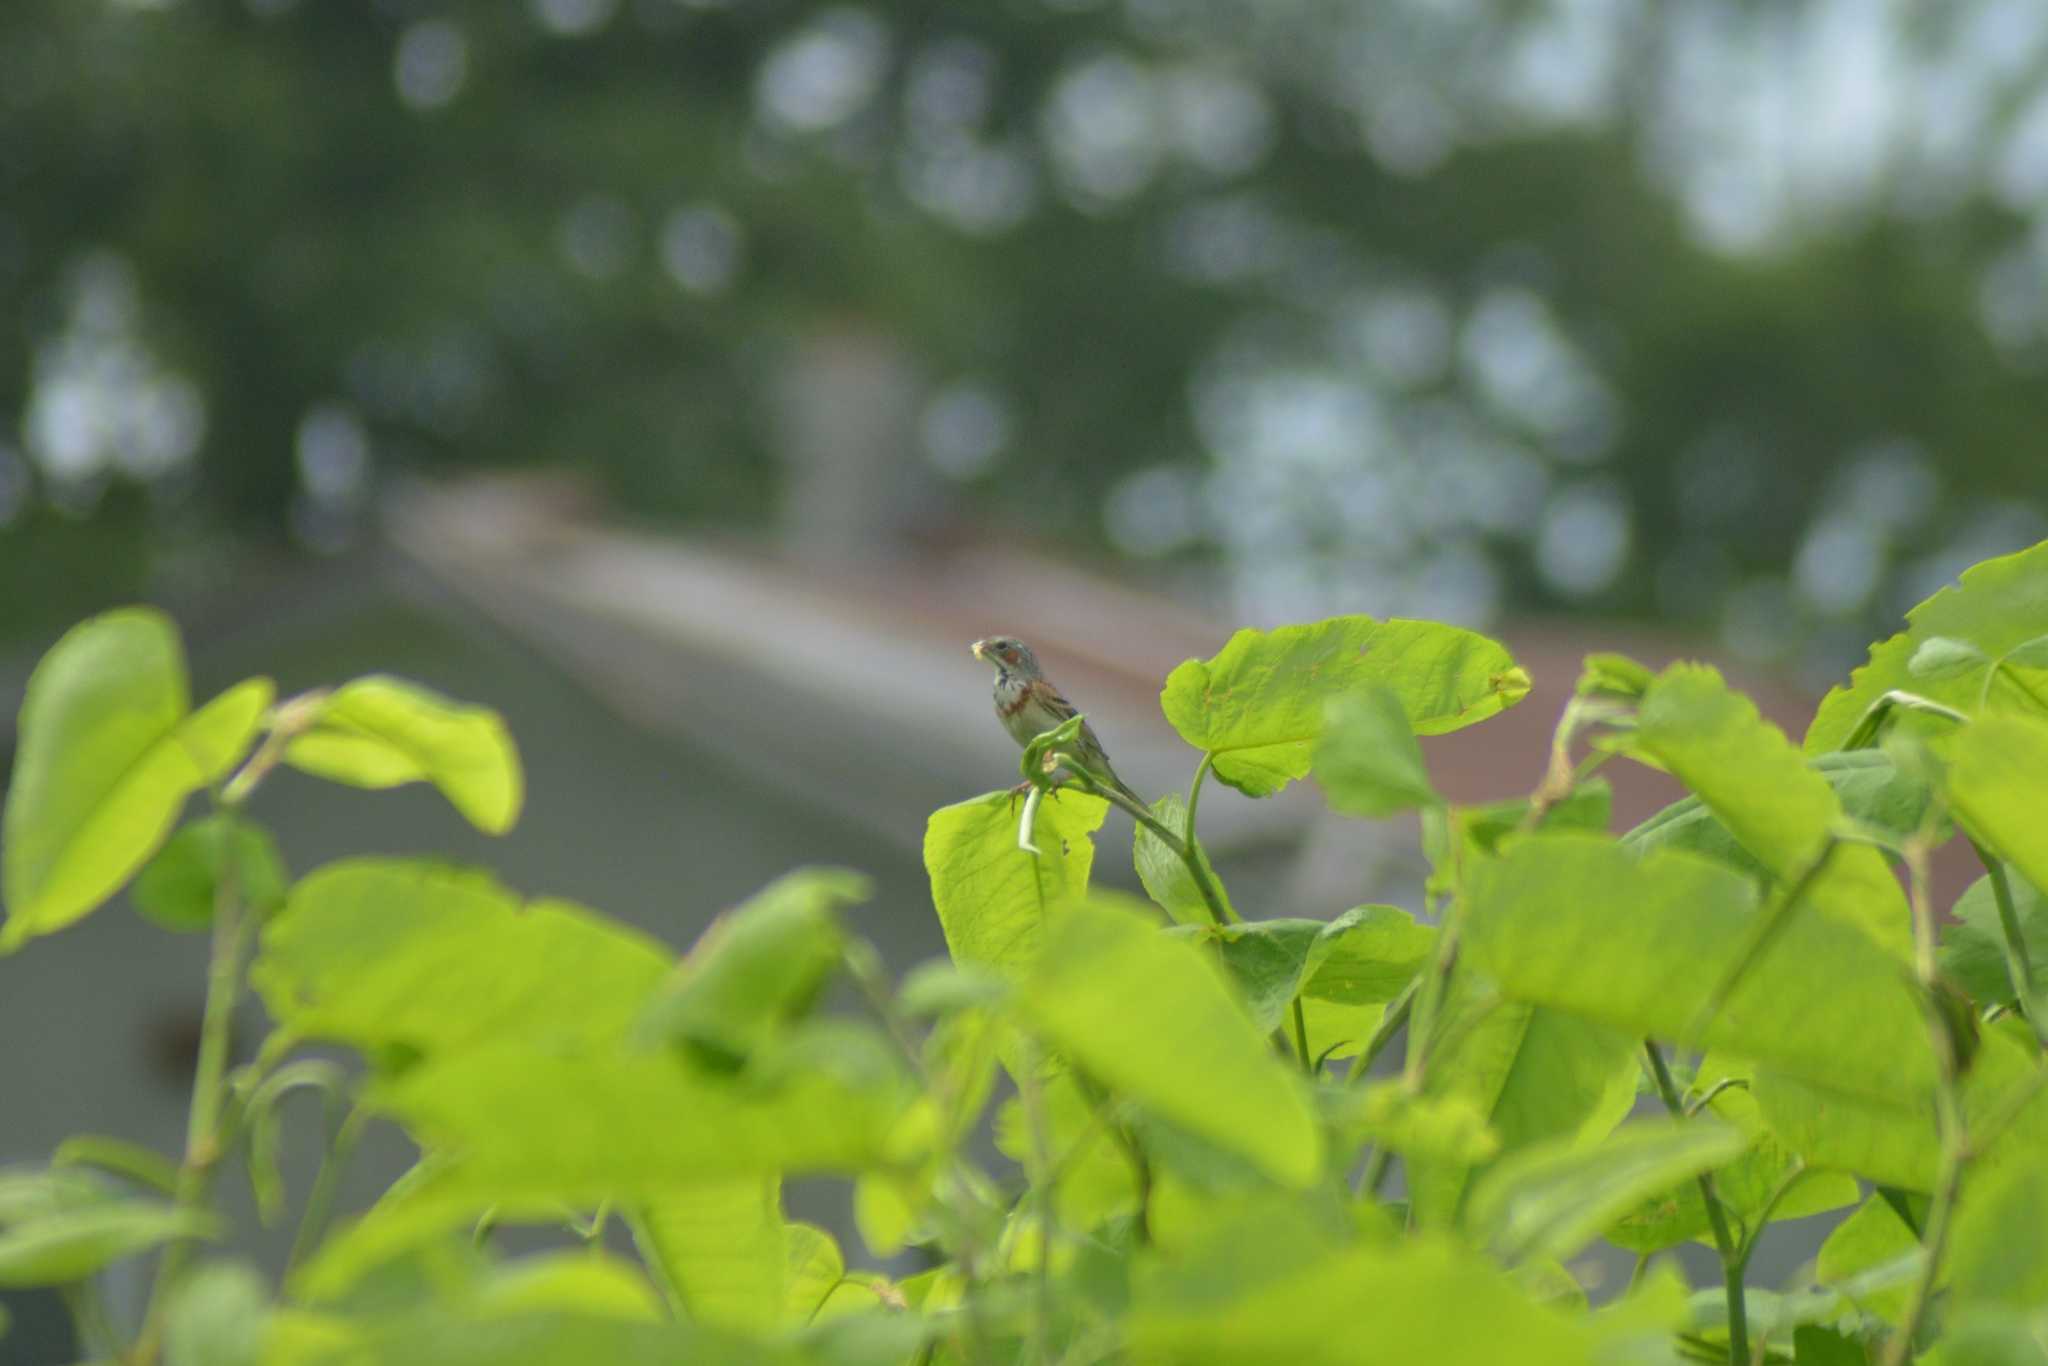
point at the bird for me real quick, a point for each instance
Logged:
(1028, 704)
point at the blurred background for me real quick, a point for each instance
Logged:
(693, 379)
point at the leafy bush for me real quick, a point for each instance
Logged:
(1195, 1148)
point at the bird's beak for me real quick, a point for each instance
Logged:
(975, 648)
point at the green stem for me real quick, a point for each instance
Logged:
(203, 1143)
(1301, 1039)
(1186, 850)
(1195, 794)
(1948, 1106)
(1732, 1260)
(2018, 965)
(341, 1146)
(1391, 1020)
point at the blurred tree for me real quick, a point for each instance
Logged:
(1719, 310)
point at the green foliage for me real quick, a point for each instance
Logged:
(1179, 1170)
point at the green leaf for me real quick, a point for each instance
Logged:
(1368, 955)
(1259, 705)
(1894, 1142)
(1166, 878)
(1431, 1300)
(1973, 947)
(721, 1249)
(1265, 960)
(1941, 657)
(1576, 924)
(2000, 1258)
(1533, 1074)
(992, 897)
(1749, 1188)
(1998, 605)
(534, 1127)
(108, 753)
(812, 1266)
(533, 1132)
(1152, 1018)
(758, 966)
(1551, 1199)
(1613, 675)
(1874, 1236)
(1998, 781)
(218, 1316)
(1760, 788)
(1367, 760)
(180, 886)
(1096, 1179)
(383, 952)
(1813, 1345)
(381, 732)
(70, 1244)
(580, 1280)
(1873, 789)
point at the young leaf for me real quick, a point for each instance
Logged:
(1615, 676)
(1450, 1129)
(1996, 606)
(1367, 759)
(757, 966)
(1942, 657)
(108, 754)
(381, 732)
(1367, 955)
(1258, 706)
(1163, 872)
(180, 886)
(993, 898)
(1551, 1200)
(378, 953)
(1761, 789)
(1151, 1018)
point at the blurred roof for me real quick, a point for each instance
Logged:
(851, 685)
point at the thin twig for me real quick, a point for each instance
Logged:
(1732, 1261)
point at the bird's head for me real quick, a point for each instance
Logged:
(1008, 654)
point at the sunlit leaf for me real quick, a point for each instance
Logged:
(383, 732)
(1998, 781)
(1997, 605)
(992, 897)
(1872, 1237)
(2000, 1258)
(108, 753)
(1152, 1018)
(1367, 759)
(1761, 789)
(758, 965)
(378, 952)
(1533, 1074)
(719, 1247)
(1551, 1200)
(1259, 705)
(583, 1281)
(1450, 1129)
(1577, 924)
